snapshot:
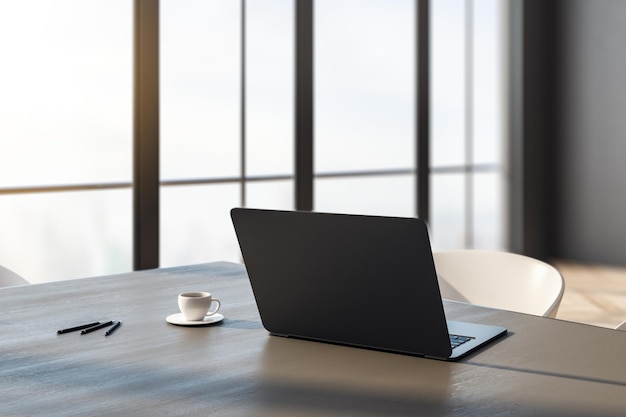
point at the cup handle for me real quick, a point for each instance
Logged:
(210, 313)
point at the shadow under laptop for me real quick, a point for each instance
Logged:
(320, 378)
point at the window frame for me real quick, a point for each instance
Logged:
(146, 181)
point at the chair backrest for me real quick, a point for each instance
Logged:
(9, 278)
(502, 280)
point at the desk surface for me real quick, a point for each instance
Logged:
(149, 367)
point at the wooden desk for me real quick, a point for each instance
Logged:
(149, 367)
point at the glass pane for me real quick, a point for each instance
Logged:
(269, 87)
(56, 236)
(447, 225)
(364, 84)
(200, 88)
(270, 195)
(447, 83)
(488, 100)
(196, 225)
(66, 92)
(385, 195)
(489, 211)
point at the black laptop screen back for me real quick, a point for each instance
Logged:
(358, 280)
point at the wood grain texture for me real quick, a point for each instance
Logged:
(151, 368)
(594, 294)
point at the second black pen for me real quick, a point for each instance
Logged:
(98, 327)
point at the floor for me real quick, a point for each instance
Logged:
(593, 294)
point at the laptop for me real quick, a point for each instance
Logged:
(355, 280)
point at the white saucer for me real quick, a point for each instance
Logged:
(180, 320)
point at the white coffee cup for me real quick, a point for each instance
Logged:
(195, 305)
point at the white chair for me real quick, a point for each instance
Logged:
(501, 280)
(9, 278)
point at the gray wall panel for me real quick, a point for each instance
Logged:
(589, 110)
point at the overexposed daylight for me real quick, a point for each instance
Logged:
(66, 120)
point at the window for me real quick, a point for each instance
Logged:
(226, 123)
(468, 182)
(65, 137)
(364, 106)
(200, 72)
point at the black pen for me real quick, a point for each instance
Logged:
(81, 327)
(112, 329)
(98, 327)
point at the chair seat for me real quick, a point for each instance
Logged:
(9, 278)
(501, 280)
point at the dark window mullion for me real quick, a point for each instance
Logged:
(243, 105)
(304, 105)
(422, 115)
(146, 135)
